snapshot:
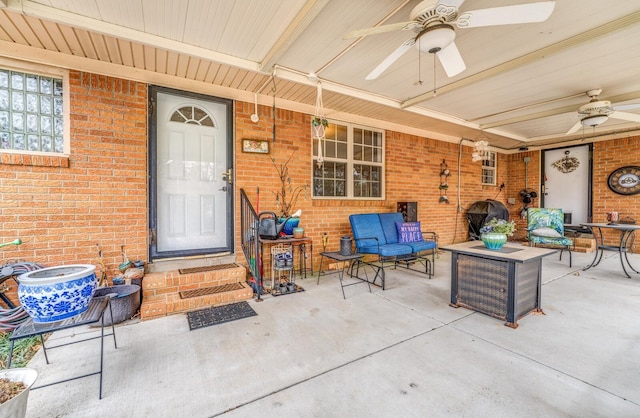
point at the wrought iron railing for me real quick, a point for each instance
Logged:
(250, 242)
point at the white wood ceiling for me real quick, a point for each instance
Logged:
(523, 83)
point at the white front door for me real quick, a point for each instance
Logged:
(566, 175)
(192, 196)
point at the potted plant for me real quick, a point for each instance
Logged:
(319, 125)
(14, 391)
(494, 233)
(287, 196)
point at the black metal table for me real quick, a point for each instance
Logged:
(94, 313)
(627, 238)
(336, 256)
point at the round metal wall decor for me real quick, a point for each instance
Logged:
(625, 180)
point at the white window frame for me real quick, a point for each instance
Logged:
(489, 169)
(46, 71)
(350, 162)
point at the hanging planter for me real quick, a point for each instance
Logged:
(319, 124)
(318, 127)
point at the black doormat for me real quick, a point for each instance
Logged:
(219, 315)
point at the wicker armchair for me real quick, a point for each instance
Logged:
(546, 227)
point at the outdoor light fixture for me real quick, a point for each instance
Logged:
(594, 120)
(435, 38)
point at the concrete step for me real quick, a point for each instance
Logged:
(161, 290)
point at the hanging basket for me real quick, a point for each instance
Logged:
(318, 127)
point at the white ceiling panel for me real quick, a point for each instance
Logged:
(523, 83)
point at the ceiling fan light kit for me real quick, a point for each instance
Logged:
(595, 120)
(435, 38)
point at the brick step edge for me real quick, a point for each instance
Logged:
(170, 304)
(173, 282)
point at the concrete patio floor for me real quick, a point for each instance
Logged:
(402, 352)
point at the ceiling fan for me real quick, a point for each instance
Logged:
(433, 22)
(597, 112)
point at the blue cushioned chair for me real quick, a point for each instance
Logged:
(546, 227)
(376, 233)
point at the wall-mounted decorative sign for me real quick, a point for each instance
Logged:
(567, 164)
(625, 180)
(258, 146)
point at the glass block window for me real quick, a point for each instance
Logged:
(31, 112)
(353, 165)
(489, 169)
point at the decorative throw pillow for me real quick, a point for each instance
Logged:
(546, 232)
(408, 232)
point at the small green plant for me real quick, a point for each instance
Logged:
(317, 121)
(498, 226)
(23, 350)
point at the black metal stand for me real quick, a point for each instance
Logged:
(93, 314)
(353, 258)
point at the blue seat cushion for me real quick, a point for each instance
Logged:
(387, 250)
(367, 226)
(564, 241)
(388, 222)
(417, 247)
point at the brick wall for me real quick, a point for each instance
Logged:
(607, 157)
(62, 207)
(518, 181)
(412, 174)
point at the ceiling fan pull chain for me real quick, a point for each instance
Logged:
(435, 93)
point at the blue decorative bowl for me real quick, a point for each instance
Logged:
(57, 293)
(494, 241)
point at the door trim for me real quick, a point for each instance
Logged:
(152, 148)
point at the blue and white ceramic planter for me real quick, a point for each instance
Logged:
(494, 241)
(57, 293)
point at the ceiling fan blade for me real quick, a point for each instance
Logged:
(450, 3)
(631, 117)
(574, 128)
(382, 29)
(386, 63)
(451, 60)
(627, 106)
(447, 7)
(507, 15)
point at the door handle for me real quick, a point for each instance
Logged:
(227, 176)
(224, 189)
